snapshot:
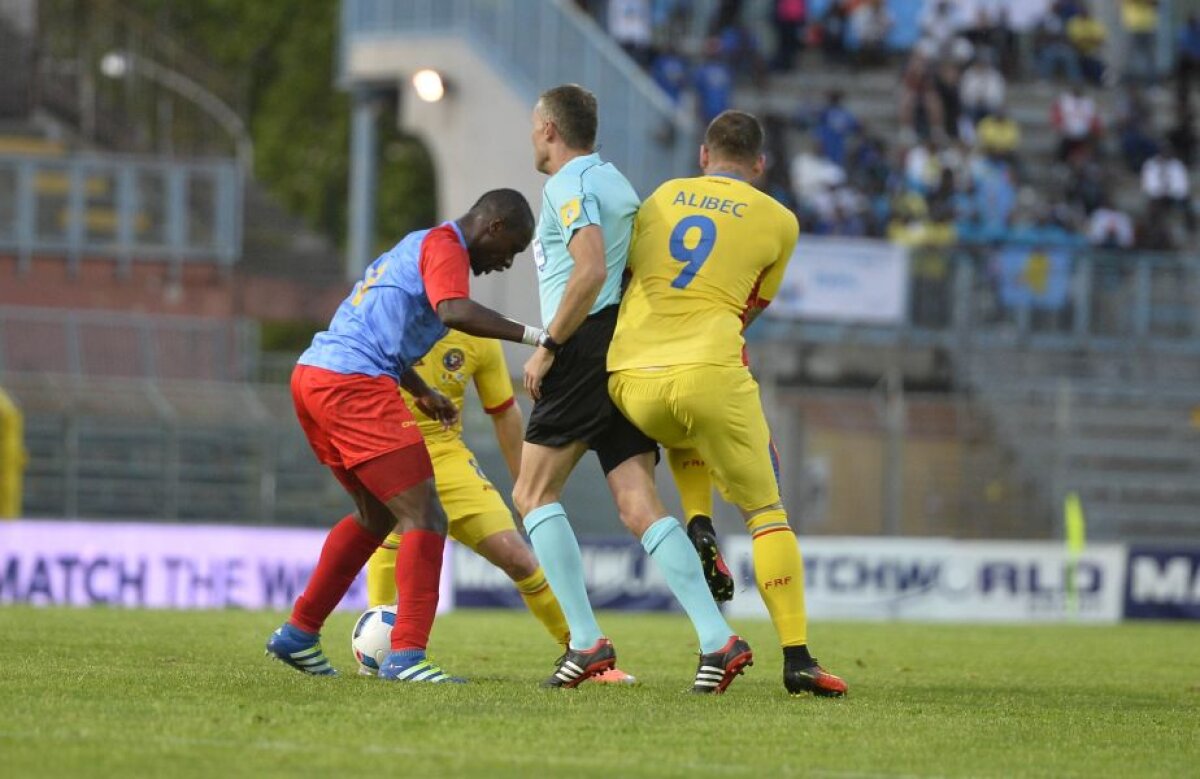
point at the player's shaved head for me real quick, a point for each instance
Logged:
(496, 229)
(735, 136)
(572, 110)
(508, 206)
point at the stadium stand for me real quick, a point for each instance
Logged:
(1082, 385)
(126, 287)
(1122, 433)
(129, 186)
(959, 137)
(169, 451)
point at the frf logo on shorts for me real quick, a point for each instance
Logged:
(777, 582)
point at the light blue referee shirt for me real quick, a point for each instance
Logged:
(585, 191)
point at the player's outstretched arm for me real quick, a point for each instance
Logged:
(470, 317)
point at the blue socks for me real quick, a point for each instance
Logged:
(557, 550)
(667, 543)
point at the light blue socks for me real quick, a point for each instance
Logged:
(667, 543)
(558, 552)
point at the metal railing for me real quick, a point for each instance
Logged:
(126, 207)
(959, 298)
(542, 44)
(168, 451)
(93, 344)
(1128, 448)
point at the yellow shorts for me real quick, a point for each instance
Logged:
(473, 506)
(715, 410)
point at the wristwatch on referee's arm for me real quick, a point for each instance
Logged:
(547, 342)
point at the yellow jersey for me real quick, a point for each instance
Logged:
(704, 250)
(1139, 16)
(453, 362)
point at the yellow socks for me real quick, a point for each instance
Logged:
(381, 573)
(693, 481)
(779, 570)
(381, 590)
(538, 596)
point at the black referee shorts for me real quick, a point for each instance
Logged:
(575, 405)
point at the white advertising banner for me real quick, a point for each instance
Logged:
(944, 580)
(844, 280)
(166, 566)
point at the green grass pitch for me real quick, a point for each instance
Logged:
(138, 693)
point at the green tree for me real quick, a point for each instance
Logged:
(283, 53)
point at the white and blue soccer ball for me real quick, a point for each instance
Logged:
(372, 638)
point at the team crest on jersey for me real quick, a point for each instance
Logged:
(570, 212)
(453, 359)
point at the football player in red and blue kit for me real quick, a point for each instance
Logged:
(344, 389)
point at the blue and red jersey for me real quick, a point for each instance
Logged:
(390, 319)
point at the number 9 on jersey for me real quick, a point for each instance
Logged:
(694, 257)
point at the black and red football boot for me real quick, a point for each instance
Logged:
(717, 670)
(578, 665)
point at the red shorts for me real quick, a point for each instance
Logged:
(359, 426)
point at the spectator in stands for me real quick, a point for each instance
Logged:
(1182, 136)
(870, 25)
(629, 25)
(991, 30)
(838, 210)
(813, 175)
(1139, 18)
(1189, 57)
(833, 31)
(1167, 188)
(958, 158)
(947, 83)
(671, 19)
(727, 14)
(670, 71)
(982, 89)
(1055, 54)
(1087, 182)
(867, 164)
(777, 180)
(995, 197)
(742, 53)
(922, 167)
(1076, 120)
(835, 127)
(713, 80)
(1110, 228)
(1088, 35)
(940, 27)
(920, 105)
(998, 136)
(915, 224)
(1133, 127)
(788, 18)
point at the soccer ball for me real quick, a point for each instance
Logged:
(371, 639)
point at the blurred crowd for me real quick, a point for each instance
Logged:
(953, 164)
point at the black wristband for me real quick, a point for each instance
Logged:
(548, 343)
